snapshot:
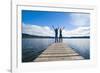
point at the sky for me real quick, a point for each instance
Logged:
(41, 22)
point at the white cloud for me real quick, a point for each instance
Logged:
(80, 19)
(80, 31)
(37, 30)
(46, 31)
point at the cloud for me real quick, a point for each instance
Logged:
(47, 31)
(80, 19)
(37, 30)
(80, 31)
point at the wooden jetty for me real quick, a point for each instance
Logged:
(58, 52)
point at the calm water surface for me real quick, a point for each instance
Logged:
(32, 47)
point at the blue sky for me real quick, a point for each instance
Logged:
(43, 19)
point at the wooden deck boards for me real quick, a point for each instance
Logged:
(58, 52)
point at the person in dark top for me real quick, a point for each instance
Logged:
(60, 35)
(56, 34)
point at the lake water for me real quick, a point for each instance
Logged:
(33, 47)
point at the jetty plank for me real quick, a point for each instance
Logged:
(58, 52)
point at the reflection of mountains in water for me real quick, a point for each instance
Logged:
(24, 35)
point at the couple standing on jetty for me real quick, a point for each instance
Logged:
(60, 38)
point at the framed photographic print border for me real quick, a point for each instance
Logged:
(18, 66)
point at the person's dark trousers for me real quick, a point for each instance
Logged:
(56, 40)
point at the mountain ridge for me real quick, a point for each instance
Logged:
(24, 35)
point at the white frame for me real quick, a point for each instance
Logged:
(17, 66)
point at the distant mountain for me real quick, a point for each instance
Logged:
(78, 37)
(34, 36)
(24, 35)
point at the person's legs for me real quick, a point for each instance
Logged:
(56, 39)
(61, 39)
